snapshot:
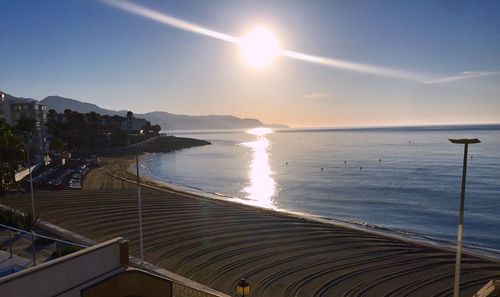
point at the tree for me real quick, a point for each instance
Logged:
(147, 128)
(28, 223)
(90, 130)
(51, 115)
(92, 117)
(11, 153)
(93, 129)
(56, 145)
(118, 138)
(25, 125)
(156, 129)
(9, 218)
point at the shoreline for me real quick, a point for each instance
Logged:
(485, 253)
(215, 242)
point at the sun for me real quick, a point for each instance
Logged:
(259, 48)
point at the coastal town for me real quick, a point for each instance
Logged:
(46, 152)
(263, 148)
(54, 148)
(50, 192)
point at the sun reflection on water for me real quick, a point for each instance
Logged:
(262, 187)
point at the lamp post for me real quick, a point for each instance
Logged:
(242, 288)
(140, 205)
(465, 142)
(28, 159)
(31, 184)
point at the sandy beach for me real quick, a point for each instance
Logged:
(216, 242)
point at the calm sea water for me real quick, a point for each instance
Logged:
(402, 179)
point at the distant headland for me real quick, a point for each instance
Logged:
(165, 119)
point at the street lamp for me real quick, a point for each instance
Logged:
(141, 247)
(242, 288)
(465, 142)
(31, 184)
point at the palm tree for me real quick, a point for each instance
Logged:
(9, 217)
(11, 153)
(29, 222)
(11, 221)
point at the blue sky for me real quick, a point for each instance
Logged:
(94, 52)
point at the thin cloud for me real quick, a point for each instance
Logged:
(461, 76)
(317, 96)
(326, 61)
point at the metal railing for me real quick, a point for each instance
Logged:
(44, 236)
(28, 250)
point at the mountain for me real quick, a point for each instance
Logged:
(59, 104)
(9, 97)
(162, 118)
(187, 122)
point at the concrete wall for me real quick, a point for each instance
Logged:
(132, 282)
(182, 287)
(180, 290)
(64, 276)
(69, 275)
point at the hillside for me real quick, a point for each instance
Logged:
(162, 118)
(59, 104)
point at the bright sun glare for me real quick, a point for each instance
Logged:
(259, 47)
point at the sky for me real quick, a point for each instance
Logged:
(95, 52)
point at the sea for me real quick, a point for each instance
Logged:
(398, 180)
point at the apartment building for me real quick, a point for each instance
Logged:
(13, 109)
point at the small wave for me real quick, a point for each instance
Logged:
(222, 195)
(418, 237)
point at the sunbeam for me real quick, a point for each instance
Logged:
(187, 26)
(370, 69)
(169, 20)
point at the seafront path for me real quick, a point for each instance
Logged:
(216, 243)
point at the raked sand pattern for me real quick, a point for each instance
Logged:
(216, 243)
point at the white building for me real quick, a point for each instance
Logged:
(11, 110)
